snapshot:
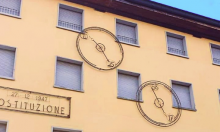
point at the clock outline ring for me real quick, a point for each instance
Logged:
(142, 112)
(100, 47)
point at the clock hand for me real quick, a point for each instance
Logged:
(101, 49)
(169, 117)
(159, 102)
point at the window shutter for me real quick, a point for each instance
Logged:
(219, 95)
(175, 45)
(68, 75)
(127, 86)
(70, 19)
(126, 33)
(216, 55)
(2, 127)
(10, 7)
(7, 58)
(183, 92)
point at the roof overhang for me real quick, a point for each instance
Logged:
(159, 14)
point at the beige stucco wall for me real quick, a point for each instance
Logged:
(38, 42)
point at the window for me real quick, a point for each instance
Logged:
(128, 84)
(7, 60)
(63, 130)
(126, 32)
(3, 126)
(176, 45)
(70, 18)
(68, 74)
(10, 7)
(185, 93)
(219, 94)
(215, 54)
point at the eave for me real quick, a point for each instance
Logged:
(158, 15)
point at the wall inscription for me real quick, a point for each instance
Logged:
(34, 102)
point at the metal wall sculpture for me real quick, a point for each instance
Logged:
(159, 103)
(101, 55)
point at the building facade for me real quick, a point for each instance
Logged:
(39, 57)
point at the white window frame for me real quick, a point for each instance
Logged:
(4, 47)
(191, 94)
(130, 24)
(19, 17)
(65, 129)
(5, 122)
(215, 46)
(184, 44)
(72, 62)
(131, 74)
(76, 9)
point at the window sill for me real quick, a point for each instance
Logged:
(215, 64)
(77, 31)
(8, 78)
(178, 55)
(141, 101)
(189, 109)
(59, 87)
(136, 45)
(19, 17)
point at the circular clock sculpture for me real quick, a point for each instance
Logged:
(158, 111)
(100, 48)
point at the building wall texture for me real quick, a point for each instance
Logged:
(38, 41)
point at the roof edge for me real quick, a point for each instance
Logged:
(176, 11)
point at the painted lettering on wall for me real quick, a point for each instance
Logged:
(33, 102)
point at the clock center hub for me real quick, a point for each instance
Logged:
(159, 103)
(100, 47)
